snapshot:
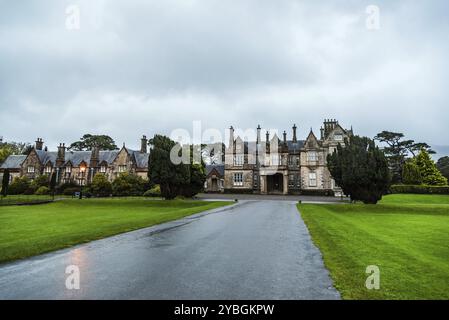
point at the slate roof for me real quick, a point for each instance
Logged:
(75, 158)
(141, 158)
(13, 162)
(218, 167)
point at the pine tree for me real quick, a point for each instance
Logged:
(429, 171)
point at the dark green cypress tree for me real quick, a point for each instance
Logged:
(5, 182)
(360, 169)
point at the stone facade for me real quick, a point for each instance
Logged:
(276, 166)
(78, 166)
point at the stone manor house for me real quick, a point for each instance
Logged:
(275, 166)
(272, 166)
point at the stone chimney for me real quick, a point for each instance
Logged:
(39, 144)
(60, 159)
(329, 125)
(94, 157)
(231, 137)
(285, 138)
(143, 144)
(258, 133)
(267, 141)
(322, 133)
(294, 133)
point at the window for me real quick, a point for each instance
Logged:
(311, 156)
(30, 169)
(238, 179)
(103, 169)
(68, 169)
(122, 168)
(338, 137)
(47, 169)
(239, 160)
(312, 179)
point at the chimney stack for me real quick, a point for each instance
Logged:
(61, 155)
(95, 156)
(143, 144)
(39, 144)
(258, 133)
(322, 133)
(285, 138)
(231, 137)
(294, 133)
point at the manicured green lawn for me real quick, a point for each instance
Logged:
(406, 236)
(30, 230)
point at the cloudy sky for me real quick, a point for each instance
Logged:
(140, 66)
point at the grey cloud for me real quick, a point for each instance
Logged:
(151, 66)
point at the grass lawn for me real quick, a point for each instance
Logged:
(406, 236)
(30, 230)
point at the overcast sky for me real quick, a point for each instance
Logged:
(142, 67)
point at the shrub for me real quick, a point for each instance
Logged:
(128, 185)
(153, 192)
(19, 185)
(323, 193)
(40, 181)
(419, 189)
(100, 186)
(42, 190)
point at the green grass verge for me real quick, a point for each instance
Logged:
(406, 236)
(30, 230)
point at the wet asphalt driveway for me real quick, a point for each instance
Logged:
(254, 250)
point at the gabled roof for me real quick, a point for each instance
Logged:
(13, 162)
(217, 167)
(141, 158)
(311, 138)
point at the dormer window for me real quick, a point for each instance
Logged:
(338, 137)
(68, 169)
(122, 168)
(47, 169)
(103, 169)
(30, 169)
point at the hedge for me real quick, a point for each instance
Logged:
(419, 189)
(317, 192)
